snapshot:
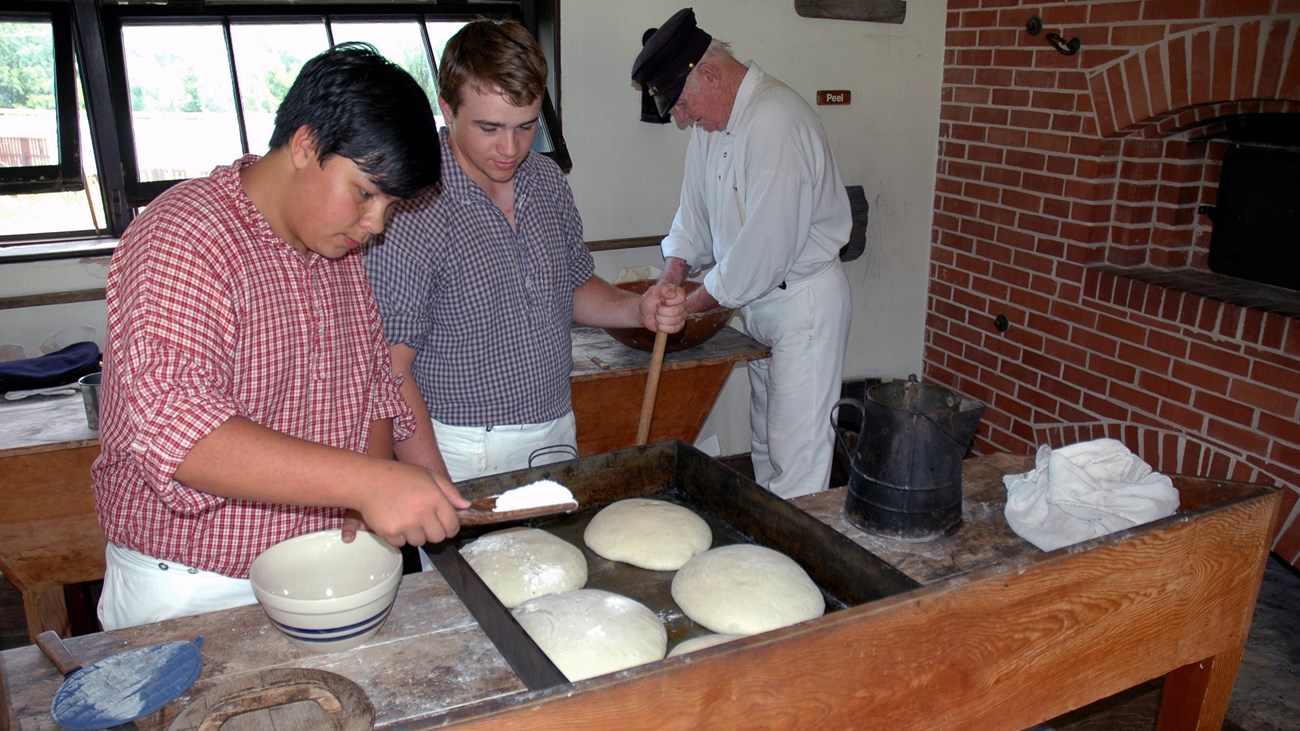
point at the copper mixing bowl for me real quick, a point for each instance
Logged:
(700, 326)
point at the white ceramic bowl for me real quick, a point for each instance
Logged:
(326, 595)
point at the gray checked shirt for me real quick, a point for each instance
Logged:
(488, 308)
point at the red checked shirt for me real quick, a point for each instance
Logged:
(211, 315)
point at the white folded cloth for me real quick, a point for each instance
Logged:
(1083, 491)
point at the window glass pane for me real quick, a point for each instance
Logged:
(24, 141)
(400, 42)
(28, 126)
(181, 91)
(440, 31)
(182, 100)
(37, 214)
(268, 57)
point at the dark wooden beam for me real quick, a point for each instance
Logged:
(876, 11)
(51, 298)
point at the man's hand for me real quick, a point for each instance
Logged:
(675, 272)
(663, 308)
(352, 523)
(413, 506)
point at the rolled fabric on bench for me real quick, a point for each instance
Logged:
(53, 369)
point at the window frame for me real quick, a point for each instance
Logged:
(90, 32)
(65, 175)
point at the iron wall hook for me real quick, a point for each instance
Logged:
(1034, 26)
(1069, 47)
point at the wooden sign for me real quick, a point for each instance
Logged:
(834, 96)
(878, 11)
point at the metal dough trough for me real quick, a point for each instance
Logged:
(736, 508)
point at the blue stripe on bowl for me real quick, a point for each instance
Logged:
(335, 634)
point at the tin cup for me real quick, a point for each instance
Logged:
(90, 395)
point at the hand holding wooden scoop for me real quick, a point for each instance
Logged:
(534, 500)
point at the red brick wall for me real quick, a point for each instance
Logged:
(1066, 185)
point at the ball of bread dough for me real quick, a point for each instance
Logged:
(744, 589)
(701, 642)
(519, 564)
(592, 632)
(653, 534)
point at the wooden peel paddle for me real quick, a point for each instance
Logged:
(651, 387)
(483, 511)
(119, 689)
(534, 500)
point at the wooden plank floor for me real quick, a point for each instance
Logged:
(1266, 697)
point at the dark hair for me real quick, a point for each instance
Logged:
(497, 56)
(359, 105)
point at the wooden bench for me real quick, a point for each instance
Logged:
(49, 535)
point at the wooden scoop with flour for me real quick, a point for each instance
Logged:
(534, 500)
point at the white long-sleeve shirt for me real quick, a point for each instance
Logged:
(762, 199)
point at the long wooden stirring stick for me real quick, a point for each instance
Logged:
(651, 387)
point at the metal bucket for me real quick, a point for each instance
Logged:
(90, 397)
(905, 479)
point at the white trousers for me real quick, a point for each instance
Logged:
(139, 589)
(475, 451)
(792, 393)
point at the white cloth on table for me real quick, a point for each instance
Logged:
(1083, 491)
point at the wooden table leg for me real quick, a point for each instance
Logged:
(46, 609)
(1196, 696)
(606, 409)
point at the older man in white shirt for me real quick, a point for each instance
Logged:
(763, 203)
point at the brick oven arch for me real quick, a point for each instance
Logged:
(1202, 74)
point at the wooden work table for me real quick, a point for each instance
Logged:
(49, 537)
(609, 385)
(999, 635)
(690, 383)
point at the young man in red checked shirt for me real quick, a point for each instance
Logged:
(248, 395)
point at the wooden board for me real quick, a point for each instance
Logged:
(879, 11)
(44, 423)
(49, 534)
(284, 699)
(430, 656)
(597, 356)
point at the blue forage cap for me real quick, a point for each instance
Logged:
(668, 56)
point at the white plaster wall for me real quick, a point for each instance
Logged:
(33, 331)
(627, 173)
